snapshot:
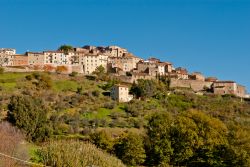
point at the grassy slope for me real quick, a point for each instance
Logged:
(67, 86)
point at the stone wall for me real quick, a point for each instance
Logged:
(9, 69)
(193, 84)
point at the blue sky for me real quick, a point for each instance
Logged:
(210, 36)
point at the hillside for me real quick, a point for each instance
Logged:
(165, 127)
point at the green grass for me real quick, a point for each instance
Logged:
(65, 85)
(8, 86)
(8, 81)
(32, 149)
(101, 113)
(12, 75)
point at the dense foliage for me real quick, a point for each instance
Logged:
(30, 115)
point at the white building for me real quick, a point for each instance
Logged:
(7, 51)
(121, 93)
(6, 56)
(57, 58)
(90, 62)
(6, 60)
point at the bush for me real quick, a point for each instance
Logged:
(134, 108)
(61, 69)
(96, 93)
(75, 154)
(1, 70)
(102, 140)
(73, 74)
(109, 105)
(29, 114)
(41, 81)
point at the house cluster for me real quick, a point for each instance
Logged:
(122, 64)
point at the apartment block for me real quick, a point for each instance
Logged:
(57, 58)
(90, 62)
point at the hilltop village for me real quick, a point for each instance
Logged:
(119, 63)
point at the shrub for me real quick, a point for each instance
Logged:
(96, 93)
(109, 105)
(73, 74)
(102, 140)
(75, 154)
(61, 69)
(1, 70)
(29, 114)
(42, 81)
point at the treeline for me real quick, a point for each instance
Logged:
(189, 139)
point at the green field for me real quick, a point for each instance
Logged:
(65, 85)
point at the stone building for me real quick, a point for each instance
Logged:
(195, 85)
(153, 67)
(211, 79)
(20, 60)
(241, 91)
(120, 93)
(153, 60)
(229, 87)
(86, 51)
(126, 63)
(35, 58)
(180, 73)
(197, 76)
(115, 51)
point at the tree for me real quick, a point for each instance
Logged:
(30, 115)
(100, 72)
(200, 136)
(184, 140)
(144, 88)
(159, 150)
(102, 140)
(66, 48)
(130, 149)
